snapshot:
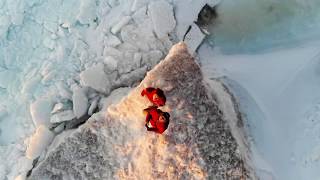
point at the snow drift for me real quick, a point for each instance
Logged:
(198, 144)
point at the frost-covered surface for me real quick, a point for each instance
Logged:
(114, 143)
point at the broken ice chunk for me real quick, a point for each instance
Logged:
(103, 9)
(3, 112)
(137, 59)
(67, 115)
(59, 128)
(57, 107)
(10, 76)
(38, 142)
(96, 78)
(140, 15)
(130, 78)
(30, 86)
(48, 77)
(93, 106)
(80, 102)
(63, 91)
(123, 21)
(40, 111)
(49, 43)
(87, 11)
(110, 51)
(194, 38)
(112, 41)
(161, 13)
(4, 24)
(138, 4)
(110, 63)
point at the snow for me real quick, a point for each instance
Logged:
(161, 13)
(40, 111)
(96, 78)
(39, 142)
(80, 102)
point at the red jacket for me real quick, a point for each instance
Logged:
(150, 91)
(153, 117)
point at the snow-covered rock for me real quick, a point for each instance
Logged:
(39, 142)
(58, 117)
(96, 78)
(194, 38)
(80, 102)
(40, 111)
(198, 144)
(161, 13)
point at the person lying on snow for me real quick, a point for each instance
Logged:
(156, 119)
(156, 96)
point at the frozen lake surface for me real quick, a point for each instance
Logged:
(268, 53)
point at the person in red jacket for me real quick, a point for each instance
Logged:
(156, 119)
(156, 96)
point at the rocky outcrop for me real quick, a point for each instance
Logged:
(200, 142)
